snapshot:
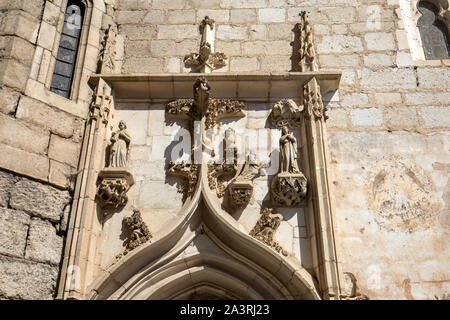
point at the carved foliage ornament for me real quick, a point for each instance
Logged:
(101, 104)
(265, 229)
(313, 101)
(307, 53)
(286, 113)
(107, 55)
(139, 232)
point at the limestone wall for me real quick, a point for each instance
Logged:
(388, 127)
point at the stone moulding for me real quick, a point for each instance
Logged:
(313, 101)
(265, 229)
(113, 185)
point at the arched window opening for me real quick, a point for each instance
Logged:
(433, 32)
(68, 49)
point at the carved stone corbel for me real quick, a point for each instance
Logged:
(265, 229)
(139, 232)
(222, 108)
(115, 180)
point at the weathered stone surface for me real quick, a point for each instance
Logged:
(388, 79)
(30, 138)
(434, 78)
(8, 100)
(435, 117)
(23, 162)
(57, 121)
(39, 200)
(64, 150)
(43, 244)
(7, 181)
(21, 279)
(13, 232)
(371, 117)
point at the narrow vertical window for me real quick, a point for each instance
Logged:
(68, 49)
(433, 32)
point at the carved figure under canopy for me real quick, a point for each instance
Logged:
(120, 145)
(288, 152)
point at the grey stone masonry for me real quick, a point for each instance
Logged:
(43, 244)
(39, 200)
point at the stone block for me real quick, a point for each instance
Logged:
(201, 4)
(39, 200)
(26, 280)
(29, 138)
(162, 48)
(378, 60)
(401, 118)
(59, 174)
(242, 15)
(434, 78)
(336, 61)
(428, 98)
(14, 74)
(23, 162)
(8, 100)
(64, 150)
(13, 232)
(388, 79)
(244, 64)
(143, 65)
(164, 4)
(21, 24)
(339, 44)
(340, 14)
(7, 181)
(380, 41)
(58, 122)
(16, 48)
(258, 32)
(230, 32)
(138, 32)
(371, 117)
(388, 98)
(280, 47)
(272, 15)
(178, 31)
(181, 16)
(46, 37)
(51, 13)
(435, 117)
(219, 15)
(355, 99)
(276, 63)
(280, 31)
(43, 244)
(243, 3)
(337, 118)
(33, 7)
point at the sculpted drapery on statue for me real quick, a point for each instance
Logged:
(120, 145)
(288, 152)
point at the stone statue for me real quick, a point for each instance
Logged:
(288, 152)
(120, 145)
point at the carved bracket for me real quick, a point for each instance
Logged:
(113, 185)
(288, 189)
(265, 229)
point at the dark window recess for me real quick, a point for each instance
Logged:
(434, 33)
(68, 49)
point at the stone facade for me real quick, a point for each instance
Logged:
(388, 137)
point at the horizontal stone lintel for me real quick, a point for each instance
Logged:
(252, 86)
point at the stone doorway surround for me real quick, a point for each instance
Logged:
(227, 262)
